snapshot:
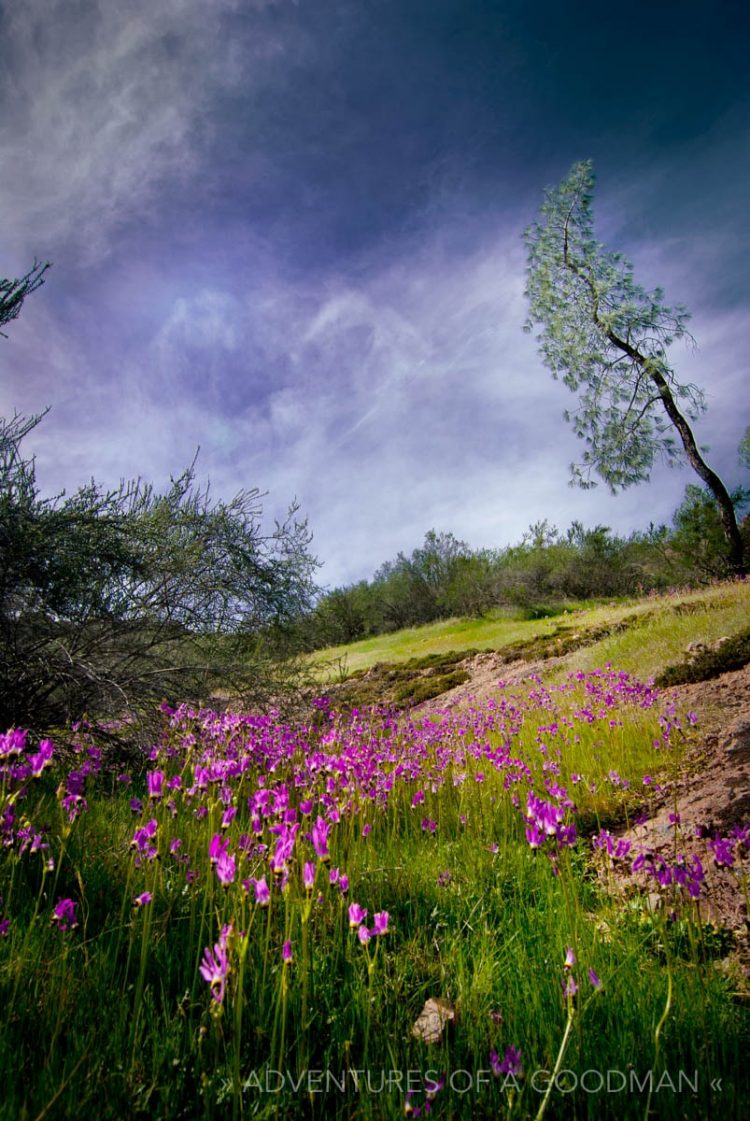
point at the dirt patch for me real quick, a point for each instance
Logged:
(711, 795)
(485, 672)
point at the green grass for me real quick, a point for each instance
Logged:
(663, 638)
(113, 1019)
(709, 614)
(449, 635)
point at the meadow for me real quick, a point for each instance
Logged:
(372, 914)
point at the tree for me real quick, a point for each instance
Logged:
(14, 292)
(111, 600)
(696, 547)
(607, 338)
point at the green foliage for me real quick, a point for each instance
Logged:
(744, 448)
(598, 327)
(425, 689)
(712, 662)
(697, 546)
(542, 575)
(111, 599)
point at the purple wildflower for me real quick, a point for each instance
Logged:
(570, 988)
(216, 847)
(722, 850)
(225, 868)
(262, 893)
(155, 784)
(64, 914)
(380, 923)
(215, 968)
(510, 1063)
(319, 837)
(357, 915)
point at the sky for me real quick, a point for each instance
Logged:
(289, 233)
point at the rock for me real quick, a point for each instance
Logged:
(437, 1014)
(737, 739)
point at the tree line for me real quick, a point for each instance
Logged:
(548, 569)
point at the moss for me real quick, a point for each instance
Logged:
(731, 655)
(566, 639)
(425, 688)
(403, 684)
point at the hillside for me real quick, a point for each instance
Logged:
(519, 856)
(698, 638)
(643, 636)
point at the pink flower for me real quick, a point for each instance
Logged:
(380, 923)
(215, 968)
(225, 867)
(319, 837)
(143, 899)
(357, 915)
(262, 893)
(286, 953)
(308, 875)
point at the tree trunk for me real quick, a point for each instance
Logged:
(695, 459)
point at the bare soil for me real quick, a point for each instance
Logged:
(711, 793)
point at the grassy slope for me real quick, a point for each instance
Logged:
(673, 621)
(476, 915)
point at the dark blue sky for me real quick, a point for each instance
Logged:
(290, 233)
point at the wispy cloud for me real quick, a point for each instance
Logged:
(256, 253)
(106, 103)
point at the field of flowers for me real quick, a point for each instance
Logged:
(366, 915)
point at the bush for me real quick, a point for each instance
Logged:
(113, 600)
(733, 654)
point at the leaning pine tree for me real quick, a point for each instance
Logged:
(607, 338)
